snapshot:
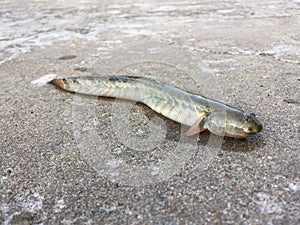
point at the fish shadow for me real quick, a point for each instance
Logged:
(174, 131)
(243, 145)
(230, 144)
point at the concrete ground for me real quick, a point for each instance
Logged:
(65, 160)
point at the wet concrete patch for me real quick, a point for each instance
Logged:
(249, 54)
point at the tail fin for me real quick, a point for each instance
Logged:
(59, 82)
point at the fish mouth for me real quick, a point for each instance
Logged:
(256, 129)
(259, 128)
(246, 133)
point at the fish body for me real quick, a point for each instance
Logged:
(196, 111)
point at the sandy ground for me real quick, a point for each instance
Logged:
(69, 159)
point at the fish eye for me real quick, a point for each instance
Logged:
(247, 116)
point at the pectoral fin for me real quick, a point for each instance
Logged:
(197, 127)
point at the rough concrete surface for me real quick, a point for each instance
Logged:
(245, 53)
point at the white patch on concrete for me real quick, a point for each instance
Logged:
(295, 186)
(268, 205)
(31, 202)
(28, 202)
(114, 162)
(108, 208)
(7, 218)
(44, 79)
(283, 49)
(154, 170)
(59, 205)
(2, 179)
(221, 61)
(205, 68)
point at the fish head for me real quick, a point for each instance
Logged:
(233, 123)
(242, 124)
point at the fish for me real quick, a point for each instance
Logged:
(198, 112)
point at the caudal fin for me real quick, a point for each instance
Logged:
(59, 82)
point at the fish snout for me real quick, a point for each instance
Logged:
(259, 128)
(256, 127)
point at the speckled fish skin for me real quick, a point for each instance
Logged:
(193, 110)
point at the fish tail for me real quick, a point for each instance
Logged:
(58, 82)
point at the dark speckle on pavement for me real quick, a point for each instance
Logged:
(67, 57)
